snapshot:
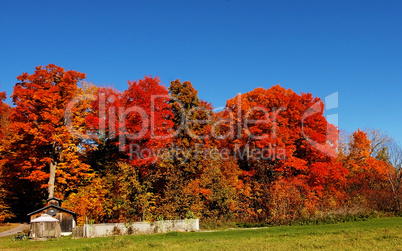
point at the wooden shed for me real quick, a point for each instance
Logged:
(66, 217)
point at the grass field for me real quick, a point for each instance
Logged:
(373, 234)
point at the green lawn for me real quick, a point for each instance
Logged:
(373, 234)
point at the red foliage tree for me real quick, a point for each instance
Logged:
(5, 111)
(276, 135)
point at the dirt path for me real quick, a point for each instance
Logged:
(14, 230)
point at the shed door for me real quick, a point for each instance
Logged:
(66, 223)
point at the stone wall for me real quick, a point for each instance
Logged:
(109, 229)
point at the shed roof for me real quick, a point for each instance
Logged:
(54, 206)
(54, 198)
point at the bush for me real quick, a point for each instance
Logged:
(116, 231)
(251, 224)
(130, 230)
(216, 224)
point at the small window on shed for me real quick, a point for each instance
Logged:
(51, 212)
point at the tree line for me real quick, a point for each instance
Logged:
(154, 152)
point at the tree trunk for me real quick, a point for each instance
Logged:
(52, 178)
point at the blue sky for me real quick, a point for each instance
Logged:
(222, 47)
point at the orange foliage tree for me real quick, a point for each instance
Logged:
(5, 111)
(41, 152)
(89, 203)
(368, 185)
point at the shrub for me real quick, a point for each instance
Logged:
(116, 231)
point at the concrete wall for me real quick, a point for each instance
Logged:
(108, 229)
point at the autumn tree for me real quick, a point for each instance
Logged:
(5, 110)
(177, 171)
(89, 202)
(280, 136)
(101, 125)
(378, 141)
(394, 154)
(374, 159)
(391, 154)
(394, 150)
(368, 187)
(147, 120)
(130, 127)
(42, 153)
(195, 178)
(139, 118)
